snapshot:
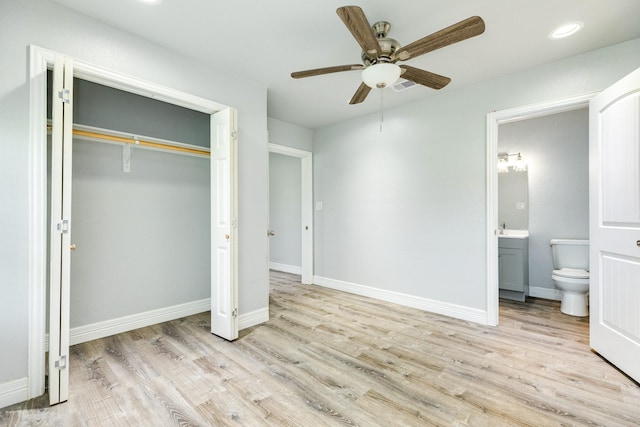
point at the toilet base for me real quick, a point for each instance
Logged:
(574, 304)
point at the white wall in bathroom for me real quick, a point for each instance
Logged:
(556, 150)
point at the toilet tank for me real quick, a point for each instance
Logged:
(569, 253)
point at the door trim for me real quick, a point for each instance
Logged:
(495, 119)
(306, 208)
(40, 59)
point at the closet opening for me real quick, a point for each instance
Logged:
(143, 180)
(140, 210)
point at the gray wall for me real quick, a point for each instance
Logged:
(294, 136)
(556, 148)
(285, 196)
(143, 237)
(405, 209)
(55, 27)
(108, 108)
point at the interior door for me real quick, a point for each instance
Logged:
(224, 230)
(614, 193)
(60, 227)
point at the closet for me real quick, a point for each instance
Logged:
(150, 219)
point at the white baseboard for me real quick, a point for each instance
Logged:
(248, 320)
(546, 293)
(285, 268)
(107, 328)
(13, 392)
(438, 307)
(128, 323)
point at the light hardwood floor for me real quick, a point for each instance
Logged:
(331, 358)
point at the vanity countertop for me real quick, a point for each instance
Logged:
(514, 234)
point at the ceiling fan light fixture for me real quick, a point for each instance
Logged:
(381, 75)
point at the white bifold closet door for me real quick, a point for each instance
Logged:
(60, 229)
(224, 230)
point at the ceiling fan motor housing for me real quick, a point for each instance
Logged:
(388, 46)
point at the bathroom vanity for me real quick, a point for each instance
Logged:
(513, 262)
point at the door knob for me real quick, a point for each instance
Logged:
(271, 233)
(637, 242)
(73, 247)
(226, 236)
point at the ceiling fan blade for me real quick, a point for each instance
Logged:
(326, 70)
(425, 78)
(355, 20)
(360, 94)
(463, 30)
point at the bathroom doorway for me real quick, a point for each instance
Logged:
(552, 139)
(548, 200)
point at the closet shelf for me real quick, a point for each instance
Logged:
(91, 133)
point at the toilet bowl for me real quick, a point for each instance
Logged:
(571, 274)
(574, 284)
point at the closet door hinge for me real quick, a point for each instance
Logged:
(61, 363)
(65, 96)
(63, 226)
(234, 135)
(234, 313)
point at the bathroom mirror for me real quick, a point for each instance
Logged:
(513, 200)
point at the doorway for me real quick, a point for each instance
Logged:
(305, 223)
(547, 200)
(494, 120)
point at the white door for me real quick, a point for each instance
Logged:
(614, 193)
(60, 250)
(224, 230)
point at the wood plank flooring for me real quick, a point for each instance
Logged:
(330, 358)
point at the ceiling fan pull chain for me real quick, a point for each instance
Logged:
(381, 108)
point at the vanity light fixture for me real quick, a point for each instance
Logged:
(503, 165)
(520, 165)
(566, 30)
(504, 162)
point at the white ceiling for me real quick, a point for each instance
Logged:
(265, 41)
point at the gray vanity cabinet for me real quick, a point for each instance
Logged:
(513, 261)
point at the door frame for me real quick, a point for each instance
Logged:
(306, 208)
(494, 120)
(41, 59)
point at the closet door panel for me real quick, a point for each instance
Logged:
(60, 249)
(224, 235)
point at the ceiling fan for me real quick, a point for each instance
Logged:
(380, 53)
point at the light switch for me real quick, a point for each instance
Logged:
(318, 206)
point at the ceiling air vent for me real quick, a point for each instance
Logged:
(403, 85)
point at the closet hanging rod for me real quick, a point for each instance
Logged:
(139, 142)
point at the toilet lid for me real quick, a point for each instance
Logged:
(574, 273)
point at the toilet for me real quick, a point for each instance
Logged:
(571, 274)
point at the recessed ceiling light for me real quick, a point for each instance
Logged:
(566, 30)
(151, 2)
